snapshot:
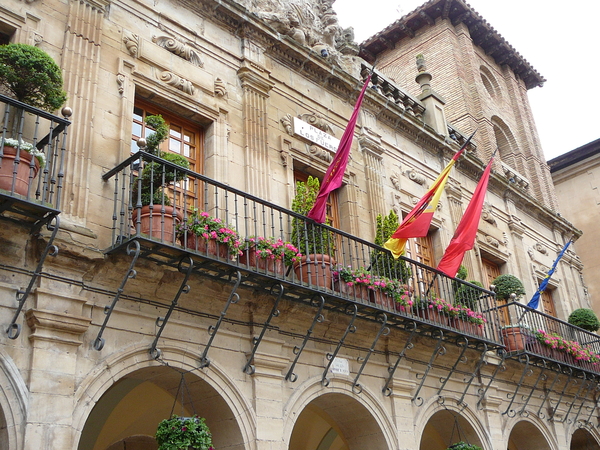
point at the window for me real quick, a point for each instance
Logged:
(332, 212)
(185, 138)
(421, 250)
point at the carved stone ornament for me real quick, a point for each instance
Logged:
(486, 214)
(317, 121)
(415, 176)
(320, 153)
(121, 82)
(132, 43)
(492, 241)
(287, 122)
(540, 248)
(220, 88)
(176, 81)
(395, 179)
(178, 48)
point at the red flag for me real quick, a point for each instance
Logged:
(464, 237)
(416, 223)
(335, 173)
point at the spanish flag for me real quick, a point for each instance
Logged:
(416, 223)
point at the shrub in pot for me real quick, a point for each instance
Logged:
(315, 242)
(382, 262)
(30, 161)
(157, 216)
(185, 433)
(584, 318)
(506, 284)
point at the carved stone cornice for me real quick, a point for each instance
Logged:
(56, 327)
(371, 145)
(250, 78)
(515, 226)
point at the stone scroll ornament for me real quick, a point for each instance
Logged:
(178, 48)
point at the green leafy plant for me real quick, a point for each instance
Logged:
(29, 148)
(272, 248)
(179, 433)
(573, 348)
(208, 227)
(31, 76)
(467, 295)
(309, 236)
(395, 289)
(156, 176)
(355, 277)
(505, 285)
(382, 262)
(585, 318)
(463, 446)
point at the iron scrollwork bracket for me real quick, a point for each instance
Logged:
(350, 310)
(438, 350)
(384, 330)
(412, 327)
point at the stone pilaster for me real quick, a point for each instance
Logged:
(256, 88)
(374, 172)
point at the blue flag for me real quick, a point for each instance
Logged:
(535, 300)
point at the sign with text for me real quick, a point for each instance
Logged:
(340, 366)
(315, 135)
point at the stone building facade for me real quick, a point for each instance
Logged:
(110, 329)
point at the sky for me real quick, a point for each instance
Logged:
(561, 40)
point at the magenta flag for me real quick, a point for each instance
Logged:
(464, 236)
(335, 173)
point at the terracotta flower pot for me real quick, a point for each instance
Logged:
(315, 269)
(433, 315)
(250, 258)
(354, 292)
(21, 179)
(162, 225)
(513, 339)
(464, 326)
(206, 246)
(382, 299)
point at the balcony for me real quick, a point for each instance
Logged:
(549, 343)
(424, 299)
(30, 187)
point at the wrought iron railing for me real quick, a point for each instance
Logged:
(155, 199)
(32, 153)
(537, 334)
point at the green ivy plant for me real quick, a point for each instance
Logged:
(468, 296)
(31, 76)
(382, 262)
(506, 285)
(179, 433)
(308, 236)
(464, 446)
(585, 318)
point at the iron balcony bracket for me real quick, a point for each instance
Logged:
(480, 363)
(581, 386)
(249, 367)
(350, 310)
(383, 331)
(541, 376)
(412, 327)
(316, 301)
(558, 373)
(482, 392)
(438, 350)
(590, 384)
(593, 408)
(524, 358)
(161, 322)
(569, 379)
(463, 342)
(14, 329)
(234, 297)
(131, 273)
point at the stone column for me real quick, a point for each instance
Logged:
(80, 64)
(374, 172)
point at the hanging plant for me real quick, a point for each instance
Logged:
(463, 446)
(179, 433)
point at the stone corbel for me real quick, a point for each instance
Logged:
(220, 88)
(178, 48)
(415, 176)
(492, 241)
(132, 43)
(540, 248)
(487, 214)
(320, 152)
(395, 179)
(515, 225)
(288, 124)
(121, 82)
(176, 81)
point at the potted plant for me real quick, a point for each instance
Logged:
(433, 308)
(314, 241)
(355, 283)
(271, 254)
(584, 318)
(388, 292)
(467, 295)
(207, 234)
(25, 158)
(382, 262)
(465, 319)
(464, 446)
(514, 336)
(29, 75)
(505, 285)
(182, 433)
(154, 211)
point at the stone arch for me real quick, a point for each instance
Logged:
(506, 143)
(584, 438)
(443, 416)
(529, 432)
(490, 82)
(129, 370)
(14, 402)
(347, 410)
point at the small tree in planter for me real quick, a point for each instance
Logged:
(585, 318)
(315, 242)
(149, 190)
(505, 285)
(382, 262)
(182, 433)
